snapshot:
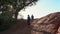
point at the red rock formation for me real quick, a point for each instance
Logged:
(47, 25)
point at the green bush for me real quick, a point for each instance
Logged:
(6, 22)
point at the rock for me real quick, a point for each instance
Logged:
(47, 25)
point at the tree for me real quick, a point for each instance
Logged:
(16, 5)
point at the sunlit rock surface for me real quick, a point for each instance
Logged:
(47, 25)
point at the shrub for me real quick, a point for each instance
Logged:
(6, 22)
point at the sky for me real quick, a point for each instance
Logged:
(41, 9)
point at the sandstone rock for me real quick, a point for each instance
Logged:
(47, 25)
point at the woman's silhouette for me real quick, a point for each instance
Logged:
(28, 20)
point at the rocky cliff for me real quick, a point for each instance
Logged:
(49, 24)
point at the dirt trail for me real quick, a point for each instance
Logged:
(20, 28)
